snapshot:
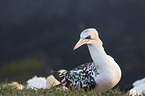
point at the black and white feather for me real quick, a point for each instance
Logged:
(80, 77)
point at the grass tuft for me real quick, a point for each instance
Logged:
(11, 91)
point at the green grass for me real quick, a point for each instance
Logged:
(10, 91)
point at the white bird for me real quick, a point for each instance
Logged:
(138, 88)
(100, 75)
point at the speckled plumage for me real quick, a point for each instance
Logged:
(101, 75)
(80, 77)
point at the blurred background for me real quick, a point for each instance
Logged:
(37, 36)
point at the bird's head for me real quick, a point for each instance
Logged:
(88, 36)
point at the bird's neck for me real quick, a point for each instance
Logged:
(98, 53)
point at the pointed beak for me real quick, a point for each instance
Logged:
(80, 43)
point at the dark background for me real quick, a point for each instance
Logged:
(37, 36)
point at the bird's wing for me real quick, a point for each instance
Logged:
(81, 77)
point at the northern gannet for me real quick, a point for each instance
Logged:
(100, 75)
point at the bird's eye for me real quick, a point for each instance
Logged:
(88, 37)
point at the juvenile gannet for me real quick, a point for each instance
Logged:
(100, 75)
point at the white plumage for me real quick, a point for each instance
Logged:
(100, 75)
(42, 82)
(36, 83)
(138, 87)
